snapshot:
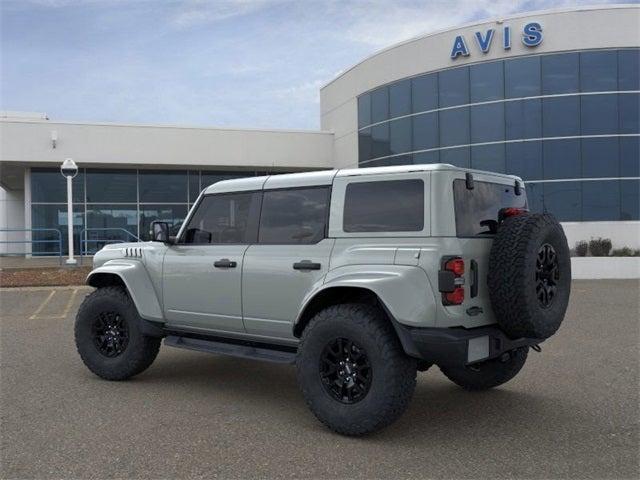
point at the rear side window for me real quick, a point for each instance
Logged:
(224, 218)
(477, 209)
(294, 216)
(385, 206)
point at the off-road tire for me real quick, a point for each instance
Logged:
(140, 350)
(513, 276)
(393, 373)
(488, 374)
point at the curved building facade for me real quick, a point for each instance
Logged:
(553, 97)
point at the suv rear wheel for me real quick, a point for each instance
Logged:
(353, 372)
(108, 336)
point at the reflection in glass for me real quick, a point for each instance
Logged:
(600, 157)
(561, 116)
(379, 105)
(599, 114)
(400, 99)
(488, 157)
(54, 216)
(629, 200)
(453, 86)
(598, 71)
(174, 215)
(487, 123)
(524, 159)
(425, 131)
(111, 186)
(110, 224)
(600, 201)
(163, 186)
(563, 199)
(364, 110)
(487, 81)
(629, 69)
(49, 186)
(424, 93)
(561, 159)
(400, 135)
(380, 140)
(522, 77)
(560, 73)
(523, 119)
(454, 127)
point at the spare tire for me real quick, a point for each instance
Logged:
(529, 276)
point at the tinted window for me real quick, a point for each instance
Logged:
(560, 73)
(400, 99)
(364, 144)
(523, 119)
(598, 71)
(482, 204)
(488, 157)
(379, 105)
(599, 114)
(209, 178)
(563, 199)
(561, 116)
(115, 219)
(224, 218)
(487, 123)
(194, 186)
(364, 110)
(386, 206)
(454, 127)
(380, 140)
(174, 215)
(453, 87)
(425, 131)
(48, 185)
(400, 135)
(600, 201)
(534, 197)
(426, 157)
(294, 216)
(629, 113)
(630, 200)
(522, 77)
(524, 159)
(52, 216)
(487, 81)
(629, 70)
(630, 156)
(460, 157)
(561, 159)
(424, 93)
(112, 186)
(163, 186)
(600, 157)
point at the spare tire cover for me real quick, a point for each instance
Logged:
(529, 276)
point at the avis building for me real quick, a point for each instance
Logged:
(553, 97)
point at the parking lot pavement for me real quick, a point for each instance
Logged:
(572, 413)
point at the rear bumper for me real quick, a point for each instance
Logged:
(459, 346)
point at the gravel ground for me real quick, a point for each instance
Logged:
(43, 276)
(573, 412)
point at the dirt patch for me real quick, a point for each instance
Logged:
(43, 277)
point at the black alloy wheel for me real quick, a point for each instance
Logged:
(547, 275)
(110, 334)
(345, 370)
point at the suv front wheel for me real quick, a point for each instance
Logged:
(353, 372)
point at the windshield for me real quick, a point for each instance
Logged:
(477, 209)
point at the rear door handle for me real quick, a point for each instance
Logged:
(306, 265)
(224, 263)
(474, 279)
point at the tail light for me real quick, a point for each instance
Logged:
(510, 212)
(451, 280)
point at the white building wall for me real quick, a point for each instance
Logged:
(11, 217)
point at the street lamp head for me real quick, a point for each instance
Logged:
(69, 168)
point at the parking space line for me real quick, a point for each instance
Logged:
(72, 297)
(42, 305)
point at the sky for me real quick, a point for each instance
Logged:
(227, 63)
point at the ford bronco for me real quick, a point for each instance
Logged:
(359, 277)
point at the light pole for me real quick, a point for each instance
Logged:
(69, 169)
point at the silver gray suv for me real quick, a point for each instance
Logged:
(359, 277)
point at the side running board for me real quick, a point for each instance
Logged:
(232, 349)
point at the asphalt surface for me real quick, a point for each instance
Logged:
(573, 412)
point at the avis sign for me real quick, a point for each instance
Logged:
(531, 37)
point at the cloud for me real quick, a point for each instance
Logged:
(190, 13)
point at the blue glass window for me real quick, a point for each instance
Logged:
(364, 145)
(194, 186)
(630, 156)
(600, 157)
(599, 71)
(400, 99)
(425, 131)
(564, 200)
(400, 135)
(388, 162)
(630, 200)
(174, 215)
(107, 186)
(53, 216)
(524, 159)
(522, 77)
(629, 69)
(561, 159)
(599, 114)
(560, 73)
(364, 110)
(379, 105)
(523, 119)
(163, 186)
(48, 185)
(380, 141)
(600, 201)
(487, 81)
(488, 157)
(209, 177)
(629, 113)
(460, 157)
(427, 157)
(115, 218)
(454, 127)
(534, 197)
(424, 92)
(561, 116)
(453, 86)
(487, 123)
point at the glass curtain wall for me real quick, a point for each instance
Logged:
(567, 123)
(114, 205)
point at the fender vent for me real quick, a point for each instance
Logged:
(132, 252)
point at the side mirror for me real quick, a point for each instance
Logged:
(160, 232)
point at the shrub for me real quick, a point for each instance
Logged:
(600, 247)
(582, 247)
(625, 252)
